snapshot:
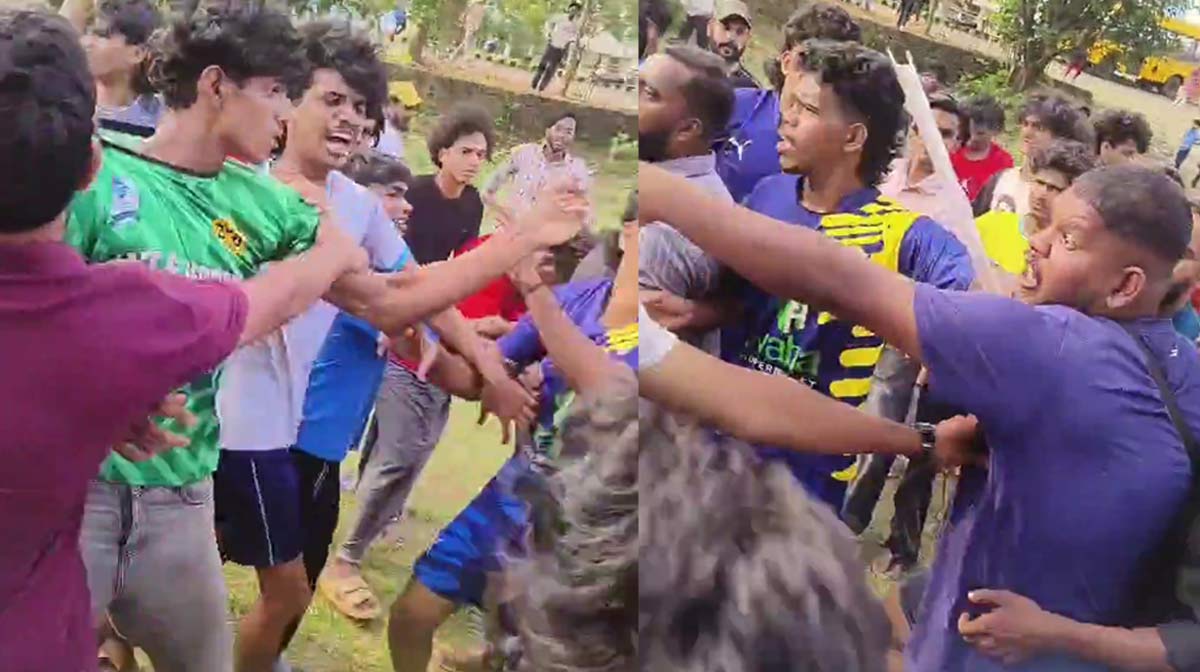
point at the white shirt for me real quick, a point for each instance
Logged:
(1012, 193)
(260, 394)
(562, 31)
(391, 142)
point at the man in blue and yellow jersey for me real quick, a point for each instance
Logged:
(747, 155)
(842, 117)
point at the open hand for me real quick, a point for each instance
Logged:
(1015, 629)
(558, 213)
(147, 438)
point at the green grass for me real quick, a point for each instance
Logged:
(466, 458)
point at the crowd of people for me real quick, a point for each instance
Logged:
(218, 277)
(847, 267)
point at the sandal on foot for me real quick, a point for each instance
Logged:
(351, 596)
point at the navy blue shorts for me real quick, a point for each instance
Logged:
(493, 526)
(257, 497)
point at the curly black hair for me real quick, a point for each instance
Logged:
(334, 45)
(1068, 157)
(462, 119)
(985, 111)
(817, 21)
(866, 87)
(1117, 127)
(47, 100)
(1058, 115)
(244, 41)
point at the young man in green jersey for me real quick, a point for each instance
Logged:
(176, 203)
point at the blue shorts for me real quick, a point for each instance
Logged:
(493, 526)
(257, 497)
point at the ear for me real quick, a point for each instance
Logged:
(856, 138)
(1131, 285)
(211, 85)
(688, 129)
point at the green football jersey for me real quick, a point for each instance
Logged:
(224, 226)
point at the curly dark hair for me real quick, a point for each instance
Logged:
(739, 570)
(1068, 157)
(817, 21)
(1059, 116)
(985, 111)
(866, 87)
(244, 41)
(334, 45)
(462, 119)
(578, 611)
(1117, 127)
(47, 100)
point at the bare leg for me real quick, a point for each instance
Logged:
(416, 616)
(283, 598)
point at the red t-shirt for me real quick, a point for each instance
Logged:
(974, 175)
(500, 297)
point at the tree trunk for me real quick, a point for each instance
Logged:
(577, 51)
(416, 45)
(1026, 75)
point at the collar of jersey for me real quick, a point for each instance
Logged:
(853, 202)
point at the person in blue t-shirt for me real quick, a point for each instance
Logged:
(841, 120)
(1086, 469)
(746, 153)
(462, 565)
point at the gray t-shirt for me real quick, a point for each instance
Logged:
(139, 118)
(670, 262)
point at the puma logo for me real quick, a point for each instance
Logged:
(740, 146)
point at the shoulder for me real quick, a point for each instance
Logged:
(1002, 156)
(773, 192)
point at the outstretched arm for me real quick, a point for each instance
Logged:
(392, 303)
(757, 407)
(789, 261)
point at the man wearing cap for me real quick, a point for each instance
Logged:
(728, 35)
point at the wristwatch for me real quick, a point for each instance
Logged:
(928, 434)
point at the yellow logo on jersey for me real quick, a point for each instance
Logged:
(230, 237)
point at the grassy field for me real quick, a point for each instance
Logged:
(466, 458)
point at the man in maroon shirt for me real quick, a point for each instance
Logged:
(88, 351)
(980, 157)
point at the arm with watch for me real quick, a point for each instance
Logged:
(765, 409)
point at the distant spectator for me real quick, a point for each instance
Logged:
(699, 13)
(981, 157)
(1121, 136)
(1190, 139)
(654, 19)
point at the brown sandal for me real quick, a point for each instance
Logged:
(351, 596)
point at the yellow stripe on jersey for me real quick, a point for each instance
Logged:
(860, 356)
(622, 339)
(849, 388)
(861, 332)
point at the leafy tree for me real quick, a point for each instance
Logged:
(1041, 30)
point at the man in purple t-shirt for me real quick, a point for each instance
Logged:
(88, 351)
(1086, 470)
